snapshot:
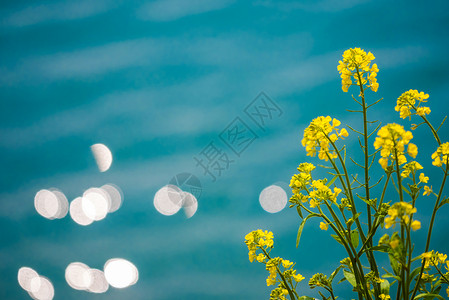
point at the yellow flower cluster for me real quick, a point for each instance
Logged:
(300, 181)
(401, 212)
(319, 279)
(392, 138)
(319, 135)
(392, 242)
(317, 190)
(321, 192)
(441, 156)
(384, 297)
(258, 239)
(356, 64)
(434, 259)
(278, 293)
(411, 167)
(411, 101)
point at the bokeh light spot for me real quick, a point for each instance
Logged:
(46, 291)
(77, 213)
(103, 156)
(168, 200)
(120, 273)
(190, 204)
(46, 204)
(78, 276)
(99, 283)
(26, 277)
(115, 194)
(96, 203)
(63, 207)
(273, 199)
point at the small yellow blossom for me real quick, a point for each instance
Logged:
(415, 225)
(261, 257)
(384, 297)
(423, 178)
(271, 281)
(441, 156)
(324, 226)
(427, 190)
(286, 263)
(412, 150)
(298, 277)
(394, 243)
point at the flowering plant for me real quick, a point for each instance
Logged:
(338, 201)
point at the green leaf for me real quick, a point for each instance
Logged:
(355, 238)
(331, 278)
(350, 277)
(407, 191)
(306, 298)
(301, 227)
(337, 238)
(394, 264)
(341, 280)
(332, 181)
(414, 273)
(385, 287)
(428, 296)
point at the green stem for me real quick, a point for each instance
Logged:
(370, 254)
(349, 190)
(429, 234)
(358, 271)
(292, 296)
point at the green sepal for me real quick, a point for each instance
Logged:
(298, 209)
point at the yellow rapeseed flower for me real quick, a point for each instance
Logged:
(427, 190)
(298, 277)
(384, 297)
(423, 178)
(319, 135)
(356, 64)
(415, 225)
(324, 226)
(441, 156)
(411, 101)
(400, 212)
(392, 139)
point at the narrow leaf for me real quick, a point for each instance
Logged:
(332, 181)
(298, 208)
(350, 277)
(301, 227)
(428, 296)
(355, 237)
(337, 238)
